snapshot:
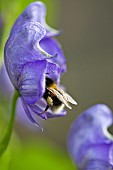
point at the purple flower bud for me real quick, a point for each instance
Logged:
(34, 63)
(89, 143)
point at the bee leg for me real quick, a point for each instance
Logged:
(47, 107)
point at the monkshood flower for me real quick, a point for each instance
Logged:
(89, 143)
(35, 63)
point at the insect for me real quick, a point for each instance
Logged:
(56, 98)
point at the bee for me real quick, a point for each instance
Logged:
(56, 98)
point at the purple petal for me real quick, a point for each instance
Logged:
(54, 115)
(52, 47)
(39, 108)
(32, 81)
(36, 11)
(53, 72)
(28, 113)
(22, 119)
(23, 47)
(97, 165)
(88, 138)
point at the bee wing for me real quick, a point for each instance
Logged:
(59, 96)
(66, 96)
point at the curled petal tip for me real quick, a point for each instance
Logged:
(39, 126)
(36, 12)
(42, 129)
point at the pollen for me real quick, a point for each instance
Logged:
(49, 101)
(53, 85)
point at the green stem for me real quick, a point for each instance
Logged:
(5, 140)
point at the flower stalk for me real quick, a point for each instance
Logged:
(5, 141)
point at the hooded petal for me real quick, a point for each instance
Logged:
(22, 47)
(89, 139)
(36, 11)
(52, 47)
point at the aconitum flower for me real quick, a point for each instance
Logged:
(89, 143)
(35, 63)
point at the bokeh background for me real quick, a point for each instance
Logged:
(87, 41)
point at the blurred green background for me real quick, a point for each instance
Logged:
(87, 41)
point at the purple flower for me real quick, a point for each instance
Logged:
(34, 63)
(89, 143)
